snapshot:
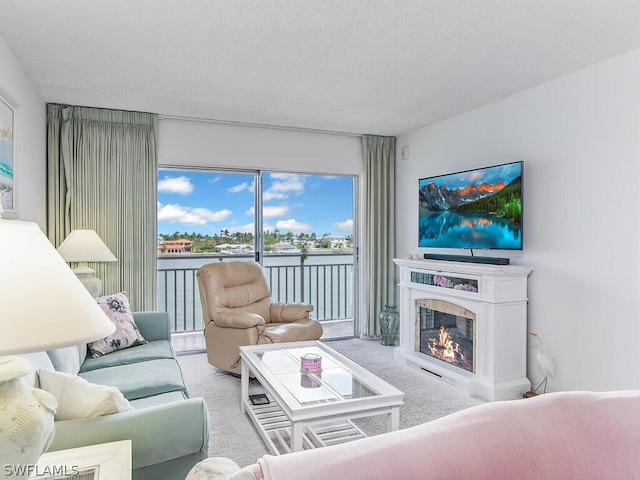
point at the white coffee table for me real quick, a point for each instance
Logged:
(309, 411)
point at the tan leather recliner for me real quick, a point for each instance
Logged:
(237, 310)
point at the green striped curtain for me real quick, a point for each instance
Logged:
(379, 241)
(102, 174)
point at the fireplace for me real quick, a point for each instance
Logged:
(466, 324)
(446, 332)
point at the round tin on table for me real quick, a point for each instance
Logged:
(308, 380)
(311, 362)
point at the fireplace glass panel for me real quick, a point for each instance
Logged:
(447, 337)
(445, 281)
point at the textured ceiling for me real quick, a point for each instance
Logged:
(369, 66)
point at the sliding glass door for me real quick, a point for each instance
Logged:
(308, 245)
(298, 226)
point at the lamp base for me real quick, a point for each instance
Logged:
(89, 280)
(26, 423)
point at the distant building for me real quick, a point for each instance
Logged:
(337, 242)
(284, 248)
(233, 249)
(175, 246)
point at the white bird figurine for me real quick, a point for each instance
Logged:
(545, 362)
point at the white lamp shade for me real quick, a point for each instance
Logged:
(43, 304)
(85, 245)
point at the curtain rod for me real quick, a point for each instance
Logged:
(260, 125)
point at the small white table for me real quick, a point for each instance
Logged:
(105, 461)
(312, 410)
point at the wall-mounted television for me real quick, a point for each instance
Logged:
(480, 208)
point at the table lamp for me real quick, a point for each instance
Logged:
(84, 246)
(39, 312)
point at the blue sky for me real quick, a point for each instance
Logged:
(208, 202)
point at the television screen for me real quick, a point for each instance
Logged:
(479, 208)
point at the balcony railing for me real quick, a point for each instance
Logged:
(323, 280)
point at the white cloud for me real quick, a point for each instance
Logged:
(180, 185)
(212, 216)
(285, 184)
(248, 228)
(291, 225)
(283, 176)
(239, 188)
(275, 211)
(346, 226)
(175, 213)
(270, 195)
(271, 211)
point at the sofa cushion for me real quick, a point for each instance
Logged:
(78, 398)
(65, 359)
(141, 379)
(155, 400)
(127, 335)
(149, 351)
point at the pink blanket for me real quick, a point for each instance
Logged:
(569, 435)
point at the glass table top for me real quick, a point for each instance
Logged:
(334, 382)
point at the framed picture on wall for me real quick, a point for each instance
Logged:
(8, 109)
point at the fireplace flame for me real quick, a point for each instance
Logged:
(445, 348)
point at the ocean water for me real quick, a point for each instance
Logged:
(324, 280)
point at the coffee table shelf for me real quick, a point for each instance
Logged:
(312, 410)
(271, 420)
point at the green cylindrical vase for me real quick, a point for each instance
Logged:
(389, 324)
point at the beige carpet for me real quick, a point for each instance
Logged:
(233, 434)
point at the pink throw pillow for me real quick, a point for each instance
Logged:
(126, 335)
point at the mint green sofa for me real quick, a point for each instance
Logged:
(169, 431)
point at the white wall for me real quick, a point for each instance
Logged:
(30, 161)
(579, 137)
(193, 143)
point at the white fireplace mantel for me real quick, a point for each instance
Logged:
(497, 295)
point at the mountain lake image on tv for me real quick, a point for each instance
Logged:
(479, 208)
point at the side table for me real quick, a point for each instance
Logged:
(105, 461)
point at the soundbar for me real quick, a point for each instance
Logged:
(467, 258)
